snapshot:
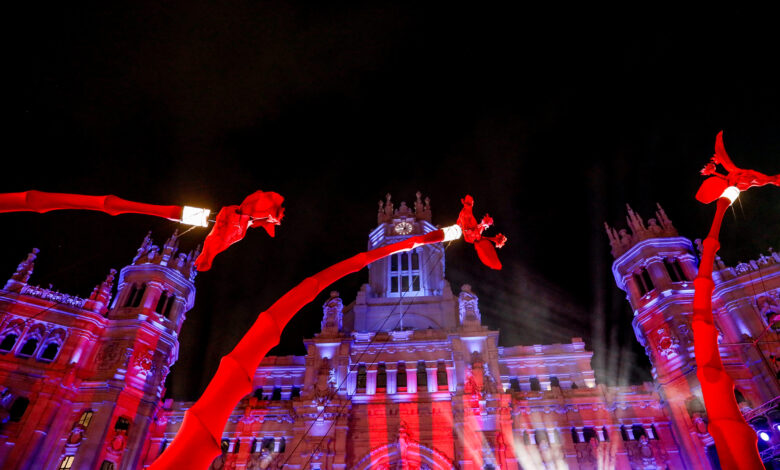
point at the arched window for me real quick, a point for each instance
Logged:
(401, 376)
(8, 342)
(589, 433)
(50, 352)
(107, 465)
(276, 394)
(422, 376)
(295, 392)
(29, 347)
(638, 431)
(259, 393)
(554, 382)
(441, 375)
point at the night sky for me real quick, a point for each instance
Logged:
(552, 122)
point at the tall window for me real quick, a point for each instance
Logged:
(165, 304)
(381, 377)
(18, 408)
(589, 433)
(107, 465)
(643, 282)
(554, 382)
(441, 375)
(422, 376)
(361, 377)
(276, 394)
(404, 274)
(135, 295)
(514, 385)
(675, 270)
(401, 376)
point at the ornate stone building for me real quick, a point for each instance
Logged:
(404, 376)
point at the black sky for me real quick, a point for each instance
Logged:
(551, 122)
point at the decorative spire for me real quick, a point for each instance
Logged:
(468, 307)
(149, 253)
(101, 294)
(23, 272)
(420, 210)
(25, 268)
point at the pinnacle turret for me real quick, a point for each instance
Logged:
(658, 227)
(421, 209)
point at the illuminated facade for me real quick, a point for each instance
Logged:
(403, 377)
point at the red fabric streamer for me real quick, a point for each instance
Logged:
(472, 233)
(39, 201)
(259, 209)
(197, 443)
(735, 441)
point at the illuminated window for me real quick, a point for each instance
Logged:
(401, 376)
(381, 377)
(85, 418)
(66, 463)
(8, 342)
(404, 274)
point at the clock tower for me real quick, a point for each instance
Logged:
(405, 290)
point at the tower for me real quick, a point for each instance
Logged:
(406, 290)
(656, 267)
(132, 357)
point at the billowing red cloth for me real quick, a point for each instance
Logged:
(259, 209)
(472, 233)
(39, 201)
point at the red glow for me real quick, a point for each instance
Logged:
(377, 432)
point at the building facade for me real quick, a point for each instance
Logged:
(405, 376)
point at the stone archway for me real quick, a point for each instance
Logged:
(414, 457)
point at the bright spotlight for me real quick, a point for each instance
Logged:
(764, 436)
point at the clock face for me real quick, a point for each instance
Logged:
(403, 228)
